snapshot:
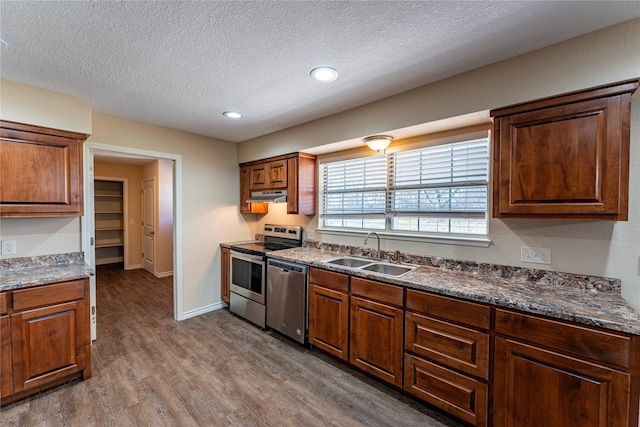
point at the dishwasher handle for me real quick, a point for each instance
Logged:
(286, 267)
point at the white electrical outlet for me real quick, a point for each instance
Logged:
(311, 234)
(9, 247)
(535, 255)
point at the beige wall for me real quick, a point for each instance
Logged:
(210, 189)
(31, 105)
(133, 174)
(602, 248)
(36, 106)
(605, 56)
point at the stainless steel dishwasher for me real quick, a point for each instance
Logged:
(287, 299)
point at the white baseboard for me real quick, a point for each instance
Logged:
(134, 267)
(206, 309)
(163, 274)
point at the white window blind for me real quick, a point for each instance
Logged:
(354, 193)
(441, 189)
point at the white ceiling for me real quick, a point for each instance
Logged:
(180, 64)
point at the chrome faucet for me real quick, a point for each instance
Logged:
(378, 237)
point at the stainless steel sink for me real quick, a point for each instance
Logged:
(374, 266)
(348, 262)
(388, 269)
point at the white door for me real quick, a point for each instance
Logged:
(148, 225)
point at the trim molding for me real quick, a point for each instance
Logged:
(206, 309)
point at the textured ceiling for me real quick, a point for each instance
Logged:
(180, 64)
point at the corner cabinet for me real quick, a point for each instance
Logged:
(565, 156)
(40, 171)
(295, 172)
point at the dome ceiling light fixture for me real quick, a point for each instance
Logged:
(232, 115)
(378, 142)
(324, 74)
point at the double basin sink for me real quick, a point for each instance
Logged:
(370, 265)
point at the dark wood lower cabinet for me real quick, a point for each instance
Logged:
(459, 395)
(225, 270)
(484, 365)
(376, 339)
(535, 387)
(46, 338)
(6, 386)
(329, 320)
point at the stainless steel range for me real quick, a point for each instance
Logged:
(248, 271)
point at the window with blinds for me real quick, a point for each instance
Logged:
(433, 190)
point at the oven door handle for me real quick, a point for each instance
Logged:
(247, 257)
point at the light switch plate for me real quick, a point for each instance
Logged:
(535, 255)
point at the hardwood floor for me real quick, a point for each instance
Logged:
(211, 370)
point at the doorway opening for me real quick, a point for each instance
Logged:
(165, 171)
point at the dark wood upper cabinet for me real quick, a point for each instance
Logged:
(40, 171)
(295, 172)
(565, 156)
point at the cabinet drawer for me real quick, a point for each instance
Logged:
(48, 294)
(460, 348)
(382, 292)
(456, 394)
(603, 346)
(467, 313)
(329, 279)
(4, 306)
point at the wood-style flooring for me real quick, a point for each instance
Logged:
(211, 370)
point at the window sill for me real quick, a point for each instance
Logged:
(480, 241)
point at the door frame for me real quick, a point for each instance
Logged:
(87, 220)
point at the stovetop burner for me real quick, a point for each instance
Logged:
(276, 237)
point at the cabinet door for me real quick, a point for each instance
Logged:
(48, 344)
(277, 174)
(376, 339)
(564, 157)
(258, 177)
(329, 320)
(245, 193)
(535, 387)
(224, 277)
(40, 171)
(5, 356)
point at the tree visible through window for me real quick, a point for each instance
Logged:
(433, 190)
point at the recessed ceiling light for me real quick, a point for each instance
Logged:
(232, 114)
(324, 74)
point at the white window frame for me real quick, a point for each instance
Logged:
(479, 240)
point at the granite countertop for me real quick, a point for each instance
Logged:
(596, 304)
(22, 273)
